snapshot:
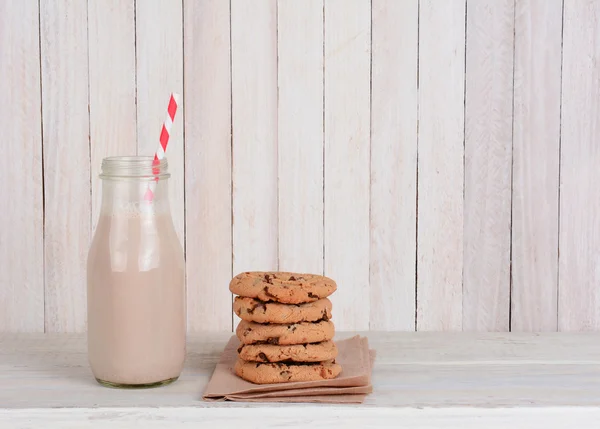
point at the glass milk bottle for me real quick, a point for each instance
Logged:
(135, 279)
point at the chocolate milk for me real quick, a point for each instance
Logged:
(136, 302)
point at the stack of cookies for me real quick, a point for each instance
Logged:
(285, 332)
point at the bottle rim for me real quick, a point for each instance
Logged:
(134, 167)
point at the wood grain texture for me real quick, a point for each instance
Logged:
(393, 164)
(301, 415)
(536, 139)
(355, 152)
(159, 68)
(453, 372)
(440, 165)
(488, 159)
(300, 135)
(112, 90)
(579, 273)
(65, 112)
(254, 115)
(21, 181)
(207, 96)
(347, 146)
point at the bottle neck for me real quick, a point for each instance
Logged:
(134, 185)
(129, 197)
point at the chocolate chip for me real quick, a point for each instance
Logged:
(312, 295)
(273, 340)
(268, 293)
(247, 331)
(325, 316)
(286, 374)
(292, 279)
(263, 356)
(294, 327)
(263, 306)
(250, 310)
(269, 278)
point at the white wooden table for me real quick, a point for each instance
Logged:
(421, 380)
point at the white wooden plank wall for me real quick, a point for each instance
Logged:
(579, 236)
(488, 155)
(300, 134)
(347, 147)
(64, 54)
(440, 177)
(207, 103)
(393, 164)
(536, 139)
(21, 174)
(438, 159)
(254, 122)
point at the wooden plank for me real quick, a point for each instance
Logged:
(207, 96)
(254, 118)
(66, 162)
(111, 32)
(159, 56)
(579, 276)
(347, 132)
(451, 371)
(21, 181)
(300, 135)
(488, 159)
(440, 165)
(300, 415)
(393, 164)
(536, 140)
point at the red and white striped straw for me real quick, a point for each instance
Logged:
(163, 142)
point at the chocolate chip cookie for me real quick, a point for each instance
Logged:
(266, 373)
(293, 333)
(253, 310)
(287, 288)
(317, 352)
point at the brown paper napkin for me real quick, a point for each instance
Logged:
(351, 386)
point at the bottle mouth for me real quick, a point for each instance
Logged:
(138, 167)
